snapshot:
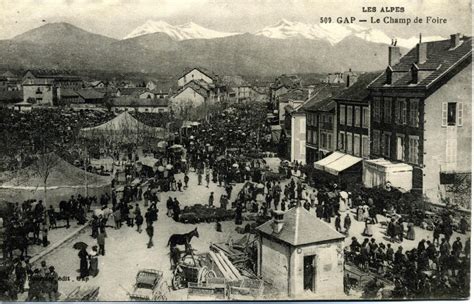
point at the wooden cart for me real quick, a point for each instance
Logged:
(149, 286)
(191, 269)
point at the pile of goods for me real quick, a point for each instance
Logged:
(204, 214)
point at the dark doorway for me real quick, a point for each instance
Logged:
(309, 274)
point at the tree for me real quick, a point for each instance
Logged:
(43, 167)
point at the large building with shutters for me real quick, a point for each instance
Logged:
(421, 115)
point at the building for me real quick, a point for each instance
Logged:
(353, 117)
(421, 115)
(131, 92)
(194, 74)
(44, 87)
(150, 85)
(321, 122)
(191, 95)
(128, 104)
(282, 85)
(298, 136)
(98, 84)
(300, 253)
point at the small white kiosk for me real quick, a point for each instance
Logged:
(377, 172)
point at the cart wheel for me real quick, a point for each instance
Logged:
(160, 297)
(178, 281)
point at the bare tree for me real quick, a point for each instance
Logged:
(43, 167)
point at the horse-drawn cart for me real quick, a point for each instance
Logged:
(149, 286)
(192, 269)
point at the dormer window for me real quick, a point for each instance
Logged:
(414, 73)
(388, 74)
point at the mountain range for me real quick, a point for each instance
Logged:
(157, 47)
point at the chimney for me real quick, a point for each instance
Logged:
(393, 55)
(277, 224)
(310, 91)
(421, 49)
(455, 40)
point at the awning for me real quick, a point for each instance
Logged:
(336, 163)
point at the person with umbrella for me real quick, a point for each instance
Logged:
(83, 257)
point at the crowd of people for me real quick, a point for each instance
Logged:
(224, 149)
(430, 269)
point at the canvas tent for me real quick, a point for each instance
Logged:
(63, 181)
(123, 128)
(337, 162)
(377, 172)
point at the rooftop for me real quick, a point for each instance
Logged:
(441, 58)
(300, 227)
(359, 90)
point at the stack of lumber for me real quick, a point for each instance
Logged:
(83, 293)
(225, 266)
(233, 254)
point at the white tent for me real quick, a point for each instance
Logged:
(123, 128)
(336, 162)
(377, 172)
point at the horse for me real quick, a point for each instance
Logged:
(182, 239)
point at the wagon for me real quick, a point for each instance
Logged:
(191, 269)
(149, 286)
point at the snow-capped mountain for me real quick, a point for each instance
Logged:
(334, 33)
(186, 31)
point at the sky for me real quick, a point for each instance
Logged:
(116, 18)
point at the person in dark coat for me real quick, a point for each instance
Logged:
(347, 223)
(83, 264)
(139, 222)
(176, 210)
(463, 225)
(238, 215)
(338, 222)
(150, 232)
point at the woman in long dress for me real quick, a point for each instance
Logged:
(83, 264)
(368, 231)
(93, 261)
(411, 231)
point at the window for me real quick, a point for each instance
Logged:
(342, 141)
(308, 136)
(451, 113)
(315, 137)
(387, 110)
(400, 147)
(403, 113)
(356, 144)
(323, 141)
(349, 116)
(414, 114)
(376, 142)
(366, 117)
(413, 149)
(377, 112)
(397, 111)
(386, 144)
(349, 143)
(365, 146)
(342, 115)
(329, 141)
(357, 116)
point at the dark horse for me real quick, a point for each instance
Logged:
(182, 239)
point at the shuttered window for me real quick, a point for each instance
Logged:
(444, 114)
(342, 115)
(460, 113)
